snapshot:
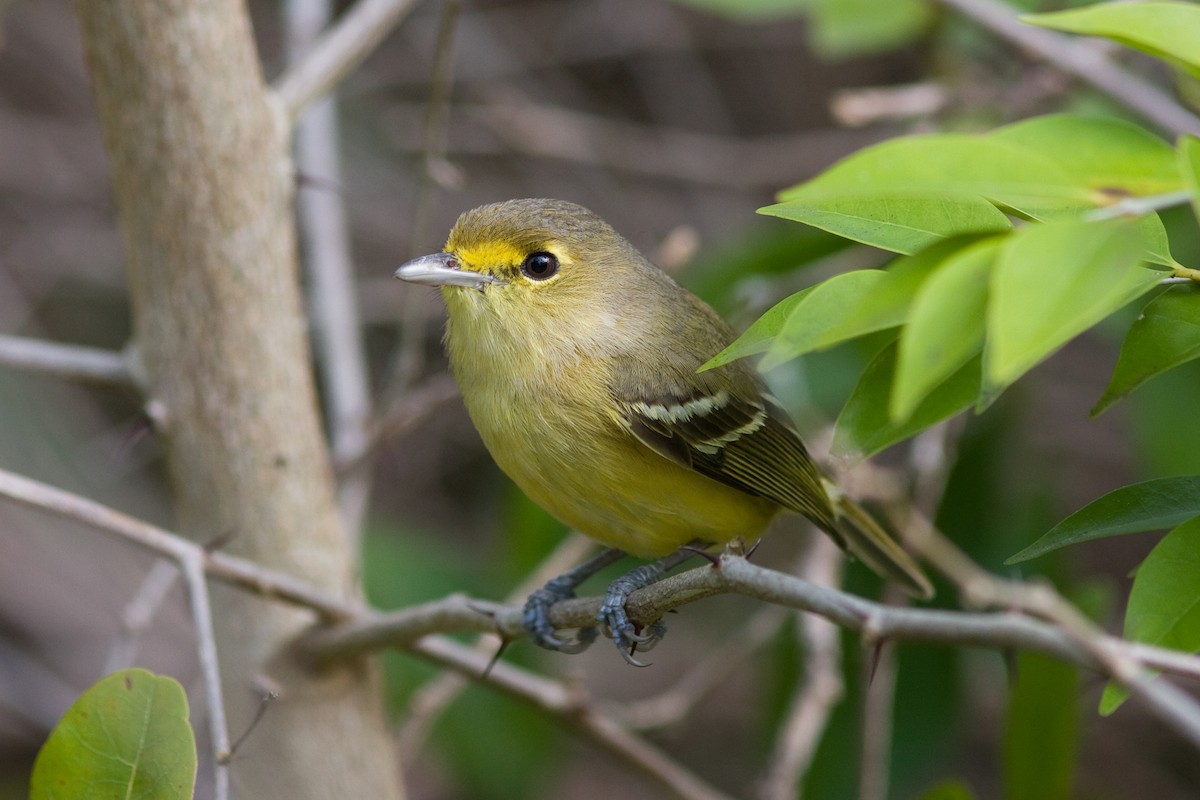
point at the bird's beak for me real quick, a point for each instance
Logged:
(442, 269)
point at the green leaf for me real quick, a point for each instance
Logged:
(1147, 506)
(1165, 30)
(127, 736)
(863, 427)
(758, 337)
(819, 312)
(1164, 604)
(946, 164)
(945, 327)
(1042, 734)
(1189, 165)
(1165, 335)
(888, 303)
(1156, 247)
(896, 220)
(1052, 282)
(1111, 158)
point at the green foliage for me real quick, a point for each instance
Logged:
(973, 283)
(127, 736)
(1164, 604)
(1151, 505)
(1042, 734)
(1165, 335)
(1165, 30)
(1053, 282)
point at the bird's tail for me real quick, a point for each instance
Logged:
(868, 541)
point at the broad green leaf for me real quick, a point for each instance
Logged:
(1112, 158)
(1164, 30)
(1189, 165)
(844, 28)
(819, 312)
(863, 428)
(949, 164)
(1156, 247)
(945, 326)
(1042, 734)
(1147, 506)
(758, 337)
(1165, 335)
(897, 220)
(1164, 604)
(1053, 281)
(127, 736)
(887, 304)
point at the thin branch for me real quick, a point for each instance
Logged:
(705, 676)
(404, 417)
(1084, 61)
(568, 704)
(324, 233)
(429, 701)
(819, 690)
(210, 670)
(69, 361)
(342, 48)
(1111, 656)
(1069, 637)
(229, 569)
(139, 612)
(735, 575)
(1137, 206)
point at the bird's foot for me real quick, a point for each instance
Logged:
(536, 619)
(628, 636)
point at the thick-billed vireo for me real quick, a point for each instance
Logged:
(577, 361)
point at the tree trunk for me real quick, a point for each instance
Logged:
(204, 186)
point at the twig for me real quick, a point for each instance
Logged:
(139, 611)
(229, 569)
(569, 706)
(1112, 657)
(701, 679)
(1081, 59)
(876, 727)
(67, 361)
(430, 700)
(342, 48)
(409, 360)
(332, 298)
(210, 671)
(820, 688)
(1137, 206)
(404, 417)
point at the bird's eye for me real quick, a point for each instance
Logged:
(540, 265)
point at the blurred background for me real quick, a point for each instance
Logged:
(674, 121)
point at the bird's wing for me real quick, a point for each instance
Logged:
(727, 430)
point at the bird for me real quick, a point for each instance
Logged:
(578, 363)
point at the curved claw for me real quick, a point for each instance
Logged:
(621, 628)
(536, 619)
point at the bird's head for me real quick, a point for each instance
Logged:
(531, 258)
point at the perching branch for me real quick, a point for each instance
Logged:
(1084, 61)
(73, 362)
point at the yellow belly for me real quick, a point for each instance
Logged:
(590, 473)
